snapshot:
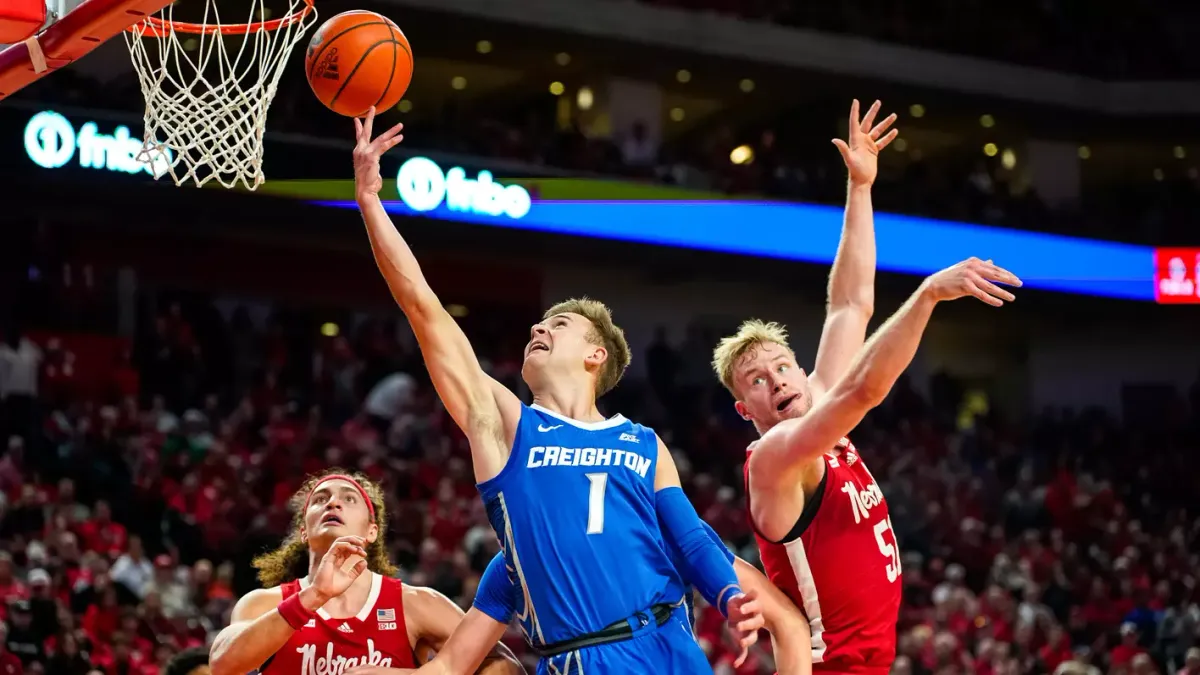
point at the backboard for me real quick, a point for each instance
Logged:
(74, 28)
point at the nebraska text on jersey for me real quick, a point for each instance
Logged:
(335, 664)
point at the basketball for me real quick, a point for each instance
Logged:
(356, 60)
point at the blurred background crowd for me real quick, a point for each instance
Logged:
(153, 426)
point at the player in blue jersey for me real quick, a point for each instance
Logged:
(497, 601)
(584, 506)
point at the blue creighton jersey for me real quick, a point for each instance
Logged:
(574, 511)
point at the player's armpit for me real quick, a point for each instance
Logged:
(790, 632)
(464, 643)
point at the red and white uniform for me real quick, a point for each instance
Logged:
(841, 566)
(327, 646)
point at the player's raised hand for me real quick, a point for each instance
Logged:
(861, 150)
(745, 619)
(367, 152)
(344, 562)
(972, 277)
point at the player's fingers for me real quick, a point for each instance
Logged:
(976, 291)
(1000, 274)
(369, 125)
(853, 116)
(869, 118)
(750, 625)
(360, 568)
(883, 126)
(995, 291)
(737, 663)
(350, 563)
(842, 148)
(390, 132)
(358, 128)
(886, 140)
(392, 142)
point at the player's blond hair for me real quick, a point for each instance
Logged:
(604, 333)
(751, 334)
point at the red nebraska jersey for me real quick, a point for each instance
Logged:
(840, 564)
(327, 646)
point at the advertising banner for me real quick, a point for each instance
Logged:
(1177, 276)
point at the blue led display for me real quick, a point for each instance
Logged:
(810, 233)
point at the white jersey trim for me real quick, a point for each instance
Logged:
(372, 598)
(614, 421)
(808, 596)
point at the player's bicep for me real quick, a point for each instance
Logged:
(453, 366)
(254, 604)
(248, 609)
(666, 474)
(790, 445)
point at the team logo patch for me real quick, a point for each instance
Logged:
(629, 438)
(345, 628)
(385, 615)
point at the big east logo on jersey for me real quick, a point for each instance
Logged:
(862, 501)
(332, 664)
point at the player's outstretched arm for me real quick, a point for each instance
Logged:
(705, 561)
(485, 411)
(787, 447)
(852, 279)
(790, 632)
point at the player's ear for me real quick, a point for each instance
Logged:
(303, 535)
(372, 533)
(597, 355)
(742, 410)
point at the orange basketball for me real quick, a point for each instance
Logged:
(356, 60)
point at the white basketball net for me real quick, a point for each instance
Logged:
(207, 94)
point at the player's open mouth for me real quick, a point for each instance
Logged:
(786, 402)
(537, 346)
(331, 518)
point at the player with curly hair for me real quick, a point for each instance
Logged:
(330, 601)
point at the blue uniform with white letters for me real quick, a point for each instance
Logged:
(574, 509)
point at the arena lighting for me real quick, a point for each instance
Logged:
(51, 142)
(423, 187)
(809, 233)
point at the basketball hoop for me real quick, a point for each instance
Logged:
(207, 92)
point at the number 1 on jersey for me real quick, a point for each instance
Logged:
(599, 483)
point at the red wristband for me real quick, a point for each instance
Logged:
(294, 613)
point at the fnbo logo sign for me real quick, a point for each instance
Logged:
(423, 187)
(51, 142)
